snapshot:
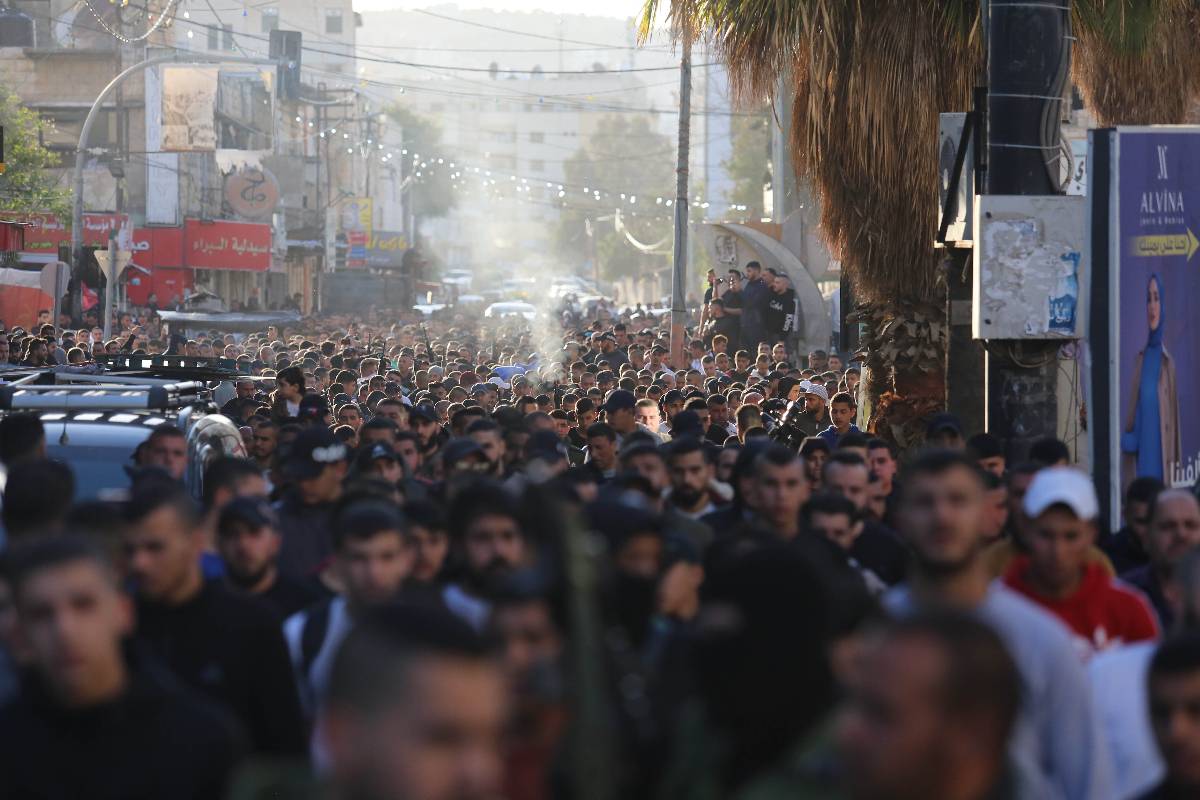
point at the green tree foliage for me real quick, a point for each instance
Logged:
(749, 163)
(431, 193)
(623, 155)
(29, 184)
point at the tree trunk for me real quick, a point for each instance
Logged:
(903, 350)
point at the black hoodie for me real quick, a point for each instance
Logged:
(156, 740)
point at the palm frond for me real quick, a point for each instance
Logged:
(869, 78)
(1137, 63)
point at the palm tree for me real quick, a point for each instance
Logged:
(869, 79)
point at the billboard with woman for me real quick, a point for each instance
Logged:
(1154, 321)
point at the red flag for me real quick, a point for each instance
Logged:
(90, 298)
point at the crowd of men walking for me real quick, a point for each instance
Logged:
(469, 563)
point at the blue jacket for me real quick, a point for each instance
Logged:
(831, 435)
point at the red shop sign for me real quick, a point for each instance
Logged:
(221, 244)
(46, 231)
(158, 247)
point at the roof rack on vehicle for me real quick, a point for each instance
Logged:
(16, 397)
(189, 366)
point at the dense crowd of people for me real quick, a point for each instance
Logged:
(488, 560)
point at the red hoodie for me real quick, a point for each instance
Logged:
(1101, 612)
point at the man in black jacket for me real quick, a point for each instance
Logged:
(783, 317)
(316, 465)
(93, 721)
(228, 646)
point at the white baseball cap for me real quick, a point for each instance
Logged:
(1062, 486)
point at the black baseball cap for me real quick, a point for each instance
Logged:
(619, 399)
(943, 422)
(374, 453)
(425, 411)
(545, 445)
(456, 450)
(253, 512)
(313, 450)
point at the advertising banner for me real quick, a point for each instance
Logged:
(46, 231)
(221, 244)
(385, 249)
(189, 96)
(1157, 303)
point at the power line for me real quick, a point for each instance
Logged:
(550, 107)
(559, 104)
(420, 65)
(489, 70)
(485, 26)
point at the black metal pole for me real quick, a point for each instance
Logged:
(1028, 63)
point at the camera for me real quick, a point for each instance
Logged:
(787, 430)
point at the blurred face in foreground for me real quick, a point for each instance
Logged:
(1175, 716)
(898, 734)
(372, 569)
(493, 544)
(782, 491)
(940, 518)
(72, 621)
(438, 737)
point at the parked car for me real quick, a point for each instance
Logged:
(96, 427)
(460, 278)
(511, 309)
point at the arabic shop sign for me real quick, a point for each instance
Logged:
(46, 231)
(221, 244)
(252, 192)
(385, 248)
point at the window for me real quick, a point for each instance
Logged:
(16, 29)
(270, 20)
(226, 37)
(537, 137)
(333, 20)
(214, 37)
(537, 165)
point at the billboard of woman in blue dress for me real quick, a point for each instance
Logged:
(1151, 438)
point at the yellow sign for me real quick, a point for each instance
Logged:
(1168, 244)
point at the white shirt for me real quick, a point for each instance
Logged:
(313, 683)
(1118, 680)
(469, 609)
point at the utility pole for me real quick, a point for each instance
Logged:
(1028, 61)
(110, 280)
(367, 161)
(317, 152)
(679, 255)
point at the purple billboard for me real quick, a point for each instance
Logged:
(1155, 292)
